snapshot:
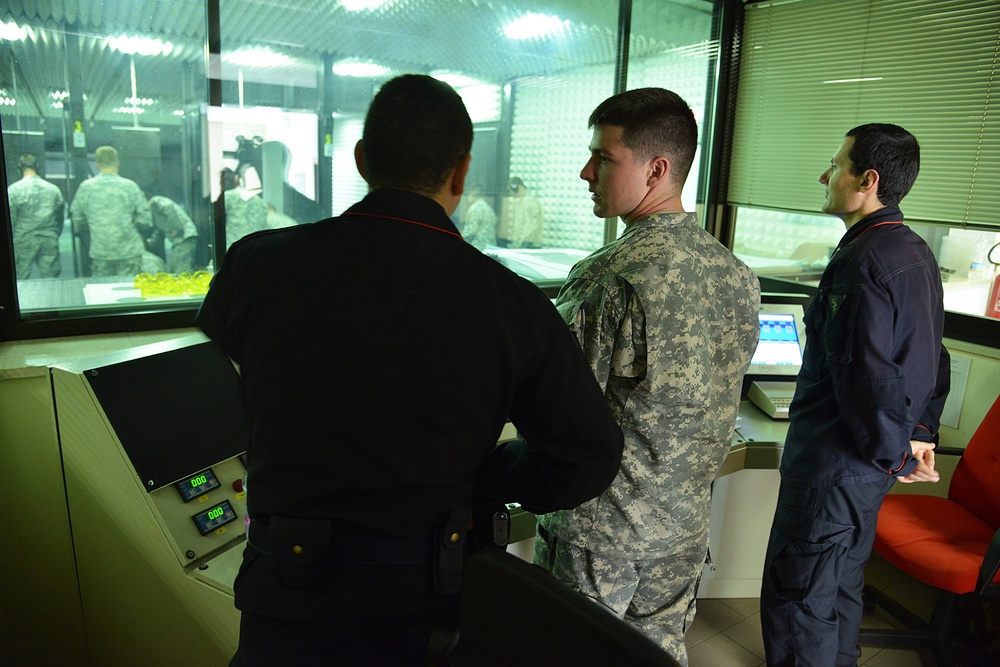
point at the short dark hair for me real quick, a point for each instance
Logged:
(891, 151)
(416, 131)
(654, 121)
(28, 161)
(106, 156)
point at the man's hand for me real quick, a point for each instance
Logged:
(924, 472)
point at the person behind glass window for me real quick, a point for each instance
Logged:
(178, 228)
(381, 355)
(522, 220)
(36, 216)
(667, 317)
(113, 211)
(246, 211)
(480, 226)
(867, 403)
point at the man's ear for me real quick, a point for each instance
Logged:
(869, 182)
(659, 171)
(359, 160)
(459, 174)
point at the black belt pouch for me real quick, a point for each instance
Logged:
(301, 548)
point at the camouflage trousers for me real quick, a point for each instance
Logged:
(182, 255)
(656, 596)
(129, 266)
(41, 250)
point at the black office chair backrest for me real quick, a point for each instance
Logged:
(515, 613)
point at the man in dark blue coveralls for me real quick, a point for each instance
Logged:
(866, 408)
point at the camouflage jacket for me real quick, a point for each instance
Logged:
(114, 210)
(36, 208)
(667, 318)
(245, 214)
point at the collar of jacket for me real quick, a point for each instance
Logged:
(404, 206)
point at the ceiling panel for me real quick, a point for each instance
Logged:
(406, 35)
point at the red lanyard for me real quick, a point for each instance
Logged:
(409, 222)
(877, 224)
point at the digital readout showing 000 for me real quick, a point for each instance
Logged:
(197, 485)
(214, 517)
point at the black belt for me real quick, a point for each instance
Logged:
(309, 540)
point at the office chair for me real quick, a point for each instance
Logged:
(516, 613)
(952, 544)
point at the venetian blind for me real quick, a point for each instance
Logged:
(810, 70)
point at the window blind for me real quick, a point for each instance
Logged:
(810, 70)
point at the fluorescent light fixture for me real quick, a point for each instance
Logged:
(361, 5)
(258, 56)
(482, 101)
(866, 78)
(13, 32)
(7, 101)
(362, 70)
(178, 112)
(135, 110)
(144, 46)
(533, 25)
(456, 80)
(139, 101)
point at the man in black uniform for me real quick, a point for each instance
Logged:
(866, 408)
(381, 356)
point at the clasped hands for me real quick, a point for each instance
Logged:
(924, 472)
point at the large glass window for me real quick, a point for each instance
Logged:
(100, 107)
(167, 130)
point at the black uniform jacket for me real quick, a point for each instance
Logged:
(875, 374)
(381, 356)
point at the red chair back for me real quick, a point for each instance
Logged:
(976, 482)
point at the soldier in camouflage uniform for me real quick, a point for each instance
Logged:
(480, 228)
(667, 318)
(245, 213)
(113, 210)
(178, 227)
(36, 218)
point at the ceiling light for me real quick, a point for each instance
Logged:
(144, 46)
(365, 70)
(456, 80)
(258, 56)
(136, 110)
(13, 32)
(361, 5)
(534, 25)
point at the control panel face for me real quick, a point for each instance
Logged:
(204, 511)
(214, 517)
(196, 485)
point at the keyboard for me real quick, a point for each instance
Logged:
(773, 398)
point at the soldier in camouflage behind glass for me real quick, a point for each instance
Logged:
(246, 212)
(667, 318)
(36, 218)
(178, 228)
(113, 210)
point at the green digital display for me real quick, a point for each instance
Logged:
(216, 516)
(197, 485)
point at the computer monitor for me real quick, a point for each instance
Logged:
(782, 341)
